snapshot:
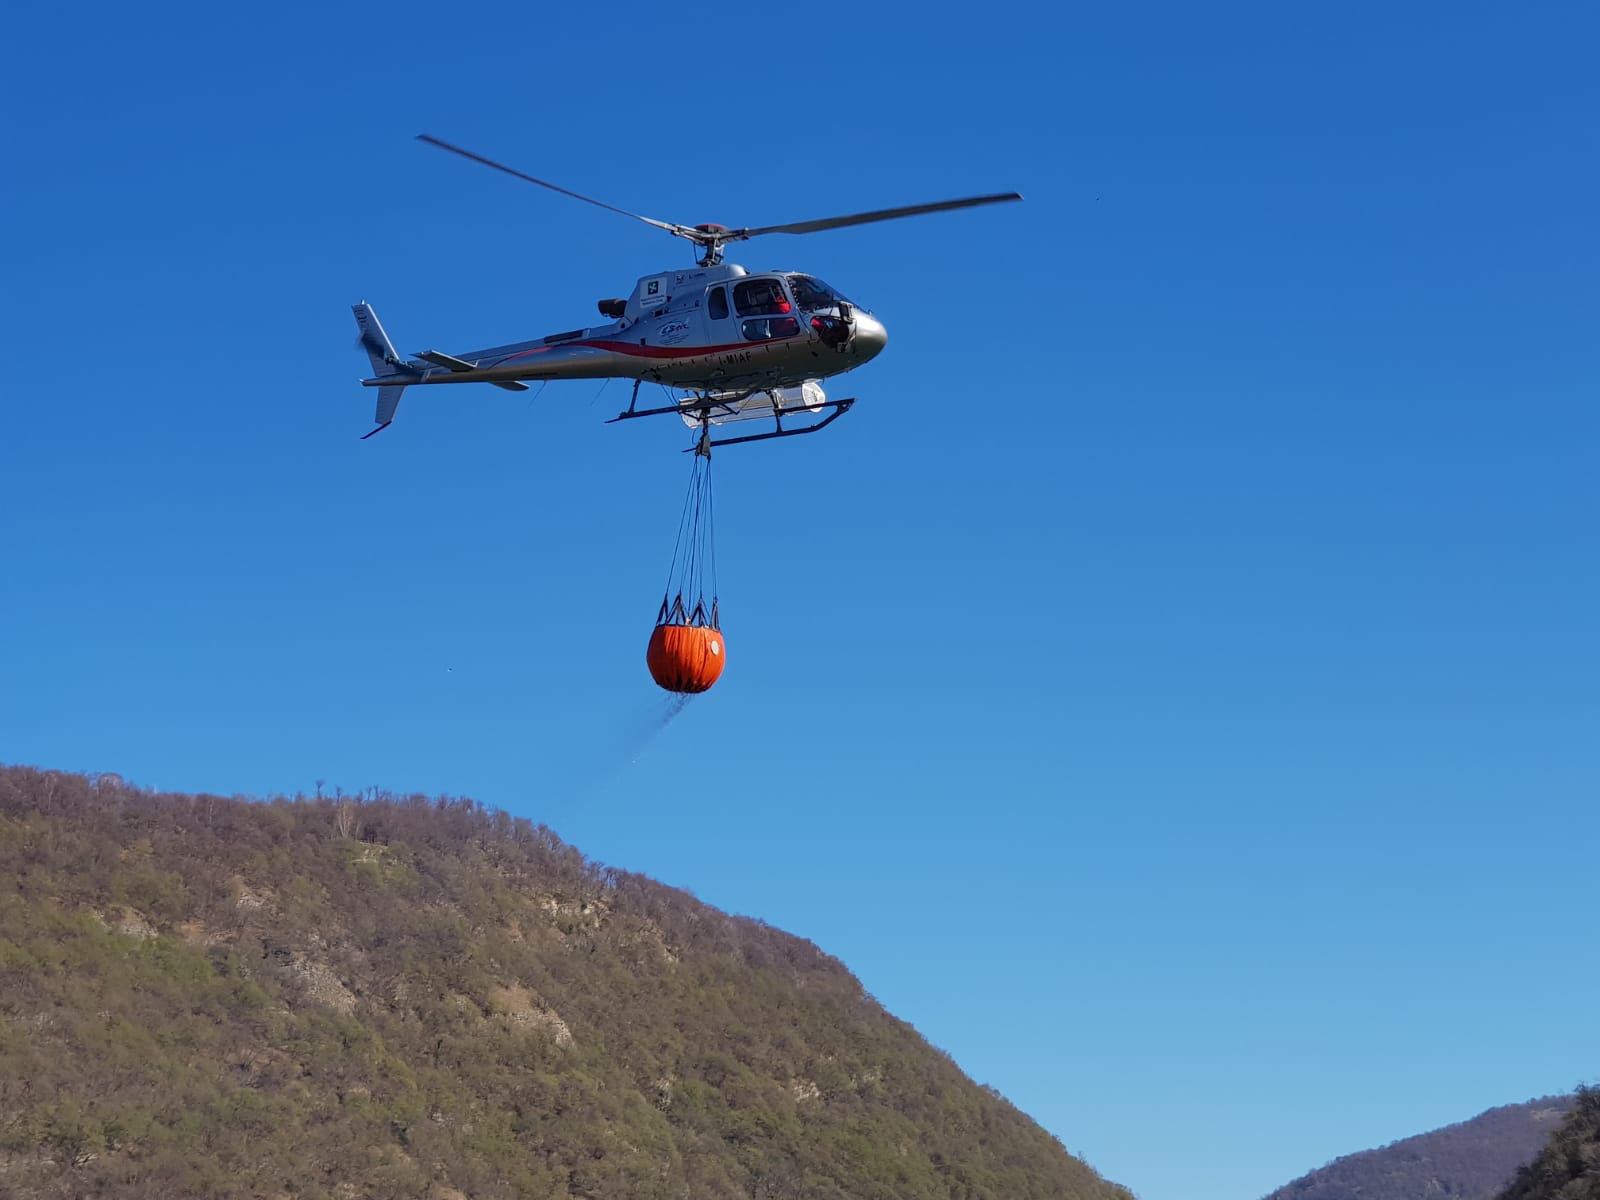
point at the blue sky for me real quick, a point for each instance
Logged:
(1174, 688)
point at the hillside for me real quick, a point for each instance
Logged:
(1568, 1168)
(424, 998)
(1471, 1160)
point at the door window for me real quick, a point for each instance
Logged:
(760, 297)
(764, 329)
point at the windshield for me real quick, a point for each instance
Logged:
(811, 294)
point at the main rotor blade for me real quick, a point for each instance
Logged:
(882, 214)
(489, 162)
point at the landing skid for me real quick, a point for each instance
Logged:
(704, 410)
(840, 407)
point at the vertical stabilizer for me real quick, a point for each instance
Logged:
(380, 350)
(386, 364)
(388, 401)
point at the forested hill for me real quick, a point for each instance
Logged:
(424, 998)
(1568, 1168)
(1472, 1160)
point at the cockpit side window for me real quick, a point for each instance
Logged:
(760, 297)
(717, 305)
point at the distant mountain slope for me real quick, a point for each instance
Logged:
(1471, 1160)
(1568, 1168)
(203, 996)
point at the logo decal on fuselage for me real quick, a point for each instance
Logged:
(672, 333)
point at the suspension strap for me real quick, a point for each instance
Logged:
(694, 557)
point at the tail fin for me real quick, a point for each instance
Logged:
(380, 350)
(386, 364)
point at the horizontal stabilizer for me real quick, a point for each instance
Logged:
(440, 359)
(451, 363)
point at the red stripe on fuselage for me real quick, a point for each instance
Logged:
(634, 351)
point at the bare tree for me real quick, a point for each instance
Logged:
(346, 818)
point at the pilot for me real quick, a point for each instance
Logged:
(770, 297)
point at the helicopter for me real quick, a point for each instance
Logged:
(739, 345)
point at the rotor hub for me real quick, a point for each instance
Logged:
(710, 238)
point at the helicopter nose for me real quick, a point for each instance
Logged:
(870, 335)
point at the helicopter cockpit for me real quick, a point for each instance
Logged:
(812, 294)
(831, 314)
(766, 310)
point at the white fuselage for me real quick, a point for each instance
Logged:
(707, 329)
